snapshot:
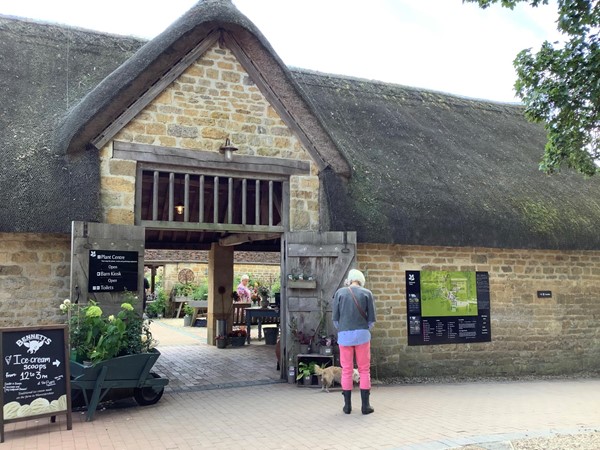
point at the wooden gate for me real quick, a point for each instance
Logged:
(315, 265)
(113, 239)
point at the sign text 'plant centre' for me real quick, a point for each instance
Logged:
(113, 271)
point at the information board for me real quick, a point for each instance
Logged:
(113, 271)
(34, 369)
(447, 307)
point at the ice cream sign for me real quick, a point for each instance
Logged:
(33, 373)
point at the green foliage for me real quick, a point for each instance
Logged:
(188, 310)
(200, 292)
(305, 370)
(183, 289)
(159, 305)
(96, 337)
(560, 86)
(276, 286)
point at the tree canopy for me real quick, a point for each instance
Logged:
(560, 85)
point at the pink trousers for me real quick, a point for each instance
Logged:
(363, 361)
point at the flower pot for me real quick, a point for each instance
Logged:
(221, 343)
(307, 380)
(187, 321)
(304, 348)
(237, 341)
(264, 302)
(270, 335)
(326, 350)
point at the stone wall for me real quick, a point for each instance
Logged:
(34, 278)
(264, 273)
(530, 335)
(212, 100)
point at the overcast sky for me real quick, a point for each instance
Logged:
(443, 45)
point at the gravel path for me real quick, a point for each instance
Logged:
(582, 441)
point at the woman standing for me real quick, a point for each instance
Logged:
(244, 293)
(354, 316)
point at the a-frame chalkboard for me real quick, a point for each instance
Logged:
(34, 371)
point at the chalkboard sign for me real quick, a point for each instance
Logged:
(34, 369)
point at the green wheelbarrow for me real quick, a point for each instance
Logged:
(124, 372)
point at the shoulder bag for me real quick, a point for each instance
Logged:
(360, 310)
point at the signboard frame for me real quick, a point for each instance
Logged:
(60, 353)
(444, 307)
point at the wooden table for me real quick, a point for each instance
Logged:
(259, 313)
(198, 305)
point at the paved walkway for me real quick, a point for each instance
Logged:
(233, 398)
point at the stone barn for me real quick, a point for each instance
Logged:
(203, 139)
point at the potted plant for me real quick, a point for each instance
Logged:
(254, 296)
(300, 337)
(237, 337)
(157, 307)
(326, 344)
(304, 341)
(188, 312)
(95, 337)
(183, 290)
(276, 290)
(221, 341)
(263, 293)
(122, 343)
(305, 372)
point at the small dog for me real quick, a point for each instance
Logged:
(332, 373)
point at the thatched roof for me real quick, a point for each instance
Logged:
(435, 169)
(426, 168)
(44, 70)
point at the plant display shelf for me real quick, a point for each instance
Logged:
(317, 358)
(302, 284)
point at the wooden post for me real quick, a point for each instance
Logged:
(220, 287)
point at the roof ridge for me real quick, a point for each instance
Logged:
(417, 90)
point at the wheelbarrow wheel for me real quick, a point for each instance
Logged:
(147, 396)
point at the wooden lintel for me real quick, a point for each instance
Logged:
(225, 227)
(235, 239)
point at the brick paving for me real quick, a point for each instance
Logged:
(233, 398)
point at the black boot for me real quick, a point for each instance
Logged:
(364, 396)
(347, 401)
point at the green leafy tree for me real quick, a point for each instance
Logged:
(560, 85)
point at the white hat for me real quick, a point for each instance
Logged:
(356, 275)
